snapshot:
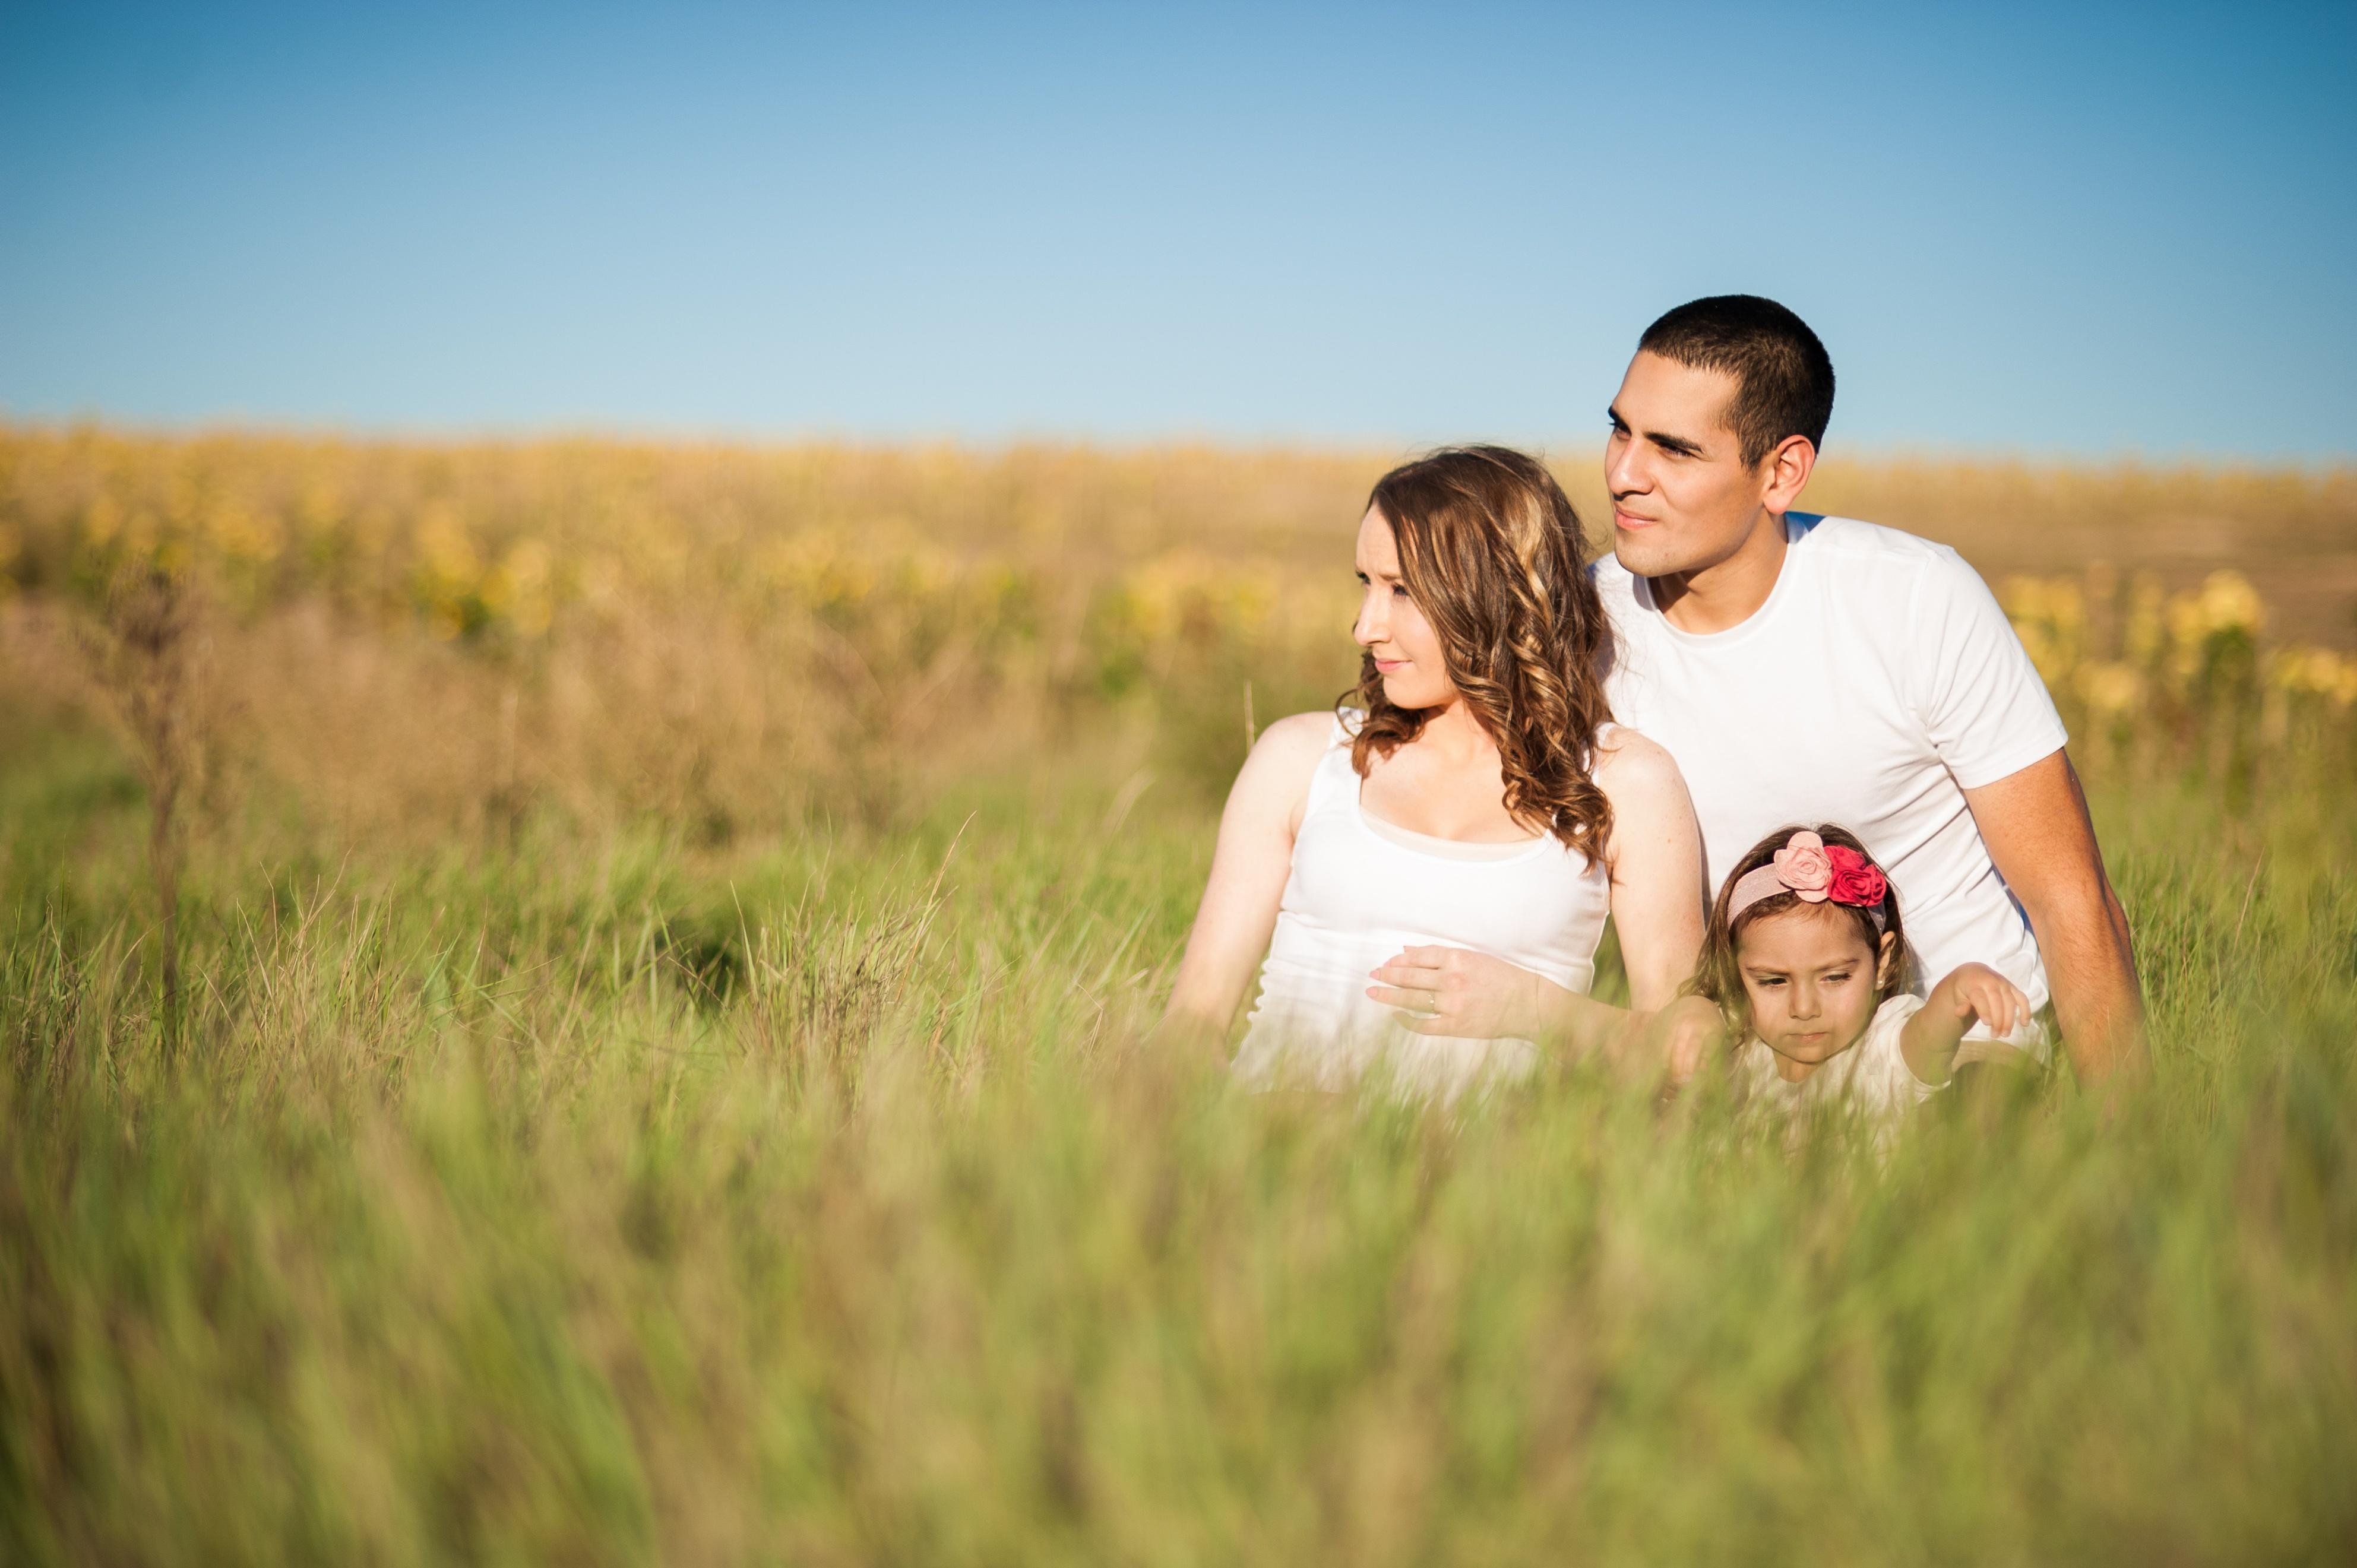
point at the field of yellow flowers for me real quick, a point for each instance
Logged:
(734, 634)
(592, 1000)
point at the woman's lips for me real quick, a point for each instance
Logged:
(1387, 665)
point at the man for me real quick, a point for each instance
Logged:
(1803, 668)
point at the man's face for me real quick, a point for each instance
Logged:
(1682, 498)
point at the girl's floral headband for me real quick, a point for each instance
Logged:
(1814, 872)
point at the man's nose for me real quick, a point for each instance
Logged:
(1625, 472)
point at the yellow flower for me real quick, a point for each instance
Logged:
(2110, 687)
(241, 534)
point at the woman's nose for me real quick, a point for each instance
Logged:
(1369, 627)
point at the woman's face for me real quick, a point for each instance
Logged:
(1391, 627)
(1811, 981)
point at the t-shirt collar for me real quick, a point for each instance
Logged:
(1796, 528)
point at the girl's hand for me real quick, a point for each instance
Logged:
(1463, 994)
(1976, 990)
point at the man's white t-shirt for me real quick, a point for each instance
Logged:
(1879, 682)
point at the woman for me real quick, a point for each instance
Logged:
(1475, 809)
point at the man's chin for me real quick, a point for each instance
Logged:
(1640, 554)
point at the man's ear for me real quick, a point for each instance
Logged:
(1786, 470)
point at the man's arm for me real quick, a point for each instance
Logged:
(2038, 831)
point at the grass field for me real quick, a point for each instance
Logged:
(666, 944)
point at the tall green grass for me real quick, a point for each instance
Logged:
(662, 1065)
(606, 1194)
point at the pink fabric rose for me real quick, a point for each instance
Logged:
(1802, 865)
(1855, 879)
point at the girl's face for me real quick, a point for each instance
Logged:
(1810, 978)
(1391, 627)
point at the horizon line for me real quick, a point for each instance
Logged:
(750, 438)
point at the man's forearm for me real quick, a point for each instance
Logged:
(2090, 969)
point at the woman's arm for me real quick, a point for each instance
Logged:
(1657, 869)
(1248, 872)
(1655, 857)
(1975, 992)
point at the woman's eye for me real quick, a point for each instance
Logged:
(1398, 592)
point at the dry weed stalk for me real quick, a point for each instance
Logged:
(144, 651)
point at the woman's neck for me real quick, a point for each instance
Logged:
(1454, 734)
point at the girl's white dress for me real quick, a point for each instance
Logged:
(1359, 891)
(1872, 1075)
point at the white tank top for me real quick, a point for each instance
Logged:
(1357, 895)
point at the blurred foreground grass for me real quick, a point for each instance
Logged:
(668, 1085)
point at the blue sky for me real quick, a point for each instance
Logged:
(2090, 231)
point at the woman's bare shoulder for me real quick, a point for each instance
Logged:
(1287, 751)
(1627, 759)
(1298, 734)
(1272, 786)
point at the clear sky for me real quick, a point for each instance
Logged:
(2051, 229)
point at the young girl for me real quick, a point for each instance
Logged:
(1418, 881)
(1807, 960)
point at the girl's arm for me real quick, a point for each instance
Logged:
(1249, 868)
(1655, 857)
(1975, 992)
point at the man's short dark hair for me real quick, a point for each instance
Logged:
(1783, 377)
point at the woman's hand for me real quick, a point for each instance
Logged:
(1465, 994)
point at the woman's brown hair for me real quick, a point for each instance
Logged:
(1492, 553)
(1718, 975)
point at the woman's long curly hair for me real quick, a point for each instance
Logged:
(1492, 553)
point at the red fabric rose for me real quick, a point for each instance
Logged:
(1856, 879)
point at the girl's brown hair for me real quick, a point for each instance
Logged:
(1492, 553)
(1718, 975)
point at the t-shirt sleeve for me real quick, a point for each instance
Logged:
(1986, 710)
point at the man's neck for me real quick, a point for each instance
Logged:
(1729, 591)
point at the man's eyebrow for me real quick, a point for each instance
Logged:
(1677, 444)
